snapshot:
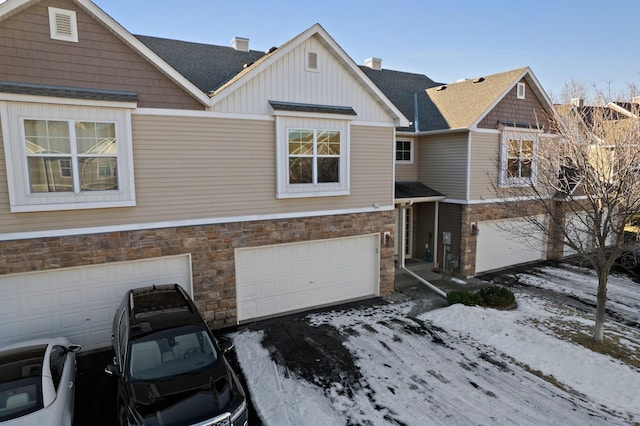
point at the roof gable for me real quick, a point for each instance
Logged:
(464, 104)
(11, 7)
(318, 37)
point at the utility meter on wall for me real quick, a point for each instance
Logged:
(446, 238)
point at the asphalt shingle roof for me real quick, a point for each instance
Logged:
(400, 87)
(67, 92)
(461, 104)
(415, 190)
(206, 66)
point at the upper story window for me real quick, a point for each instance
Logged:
(71, 156)
(67, 158)
(314, 156)
(404, 151)
(518, 157)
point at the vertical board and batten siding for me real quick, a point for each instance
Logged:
(485, 152)
(99, 60)
(287, 80)
(406, 172)
(193, 168)
(443, 163)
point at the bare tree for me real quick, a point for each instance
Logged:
(584, 184)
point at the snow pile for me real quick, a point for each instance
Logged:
(453, 366)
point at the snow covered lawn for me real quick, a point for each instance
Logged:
(452, 366)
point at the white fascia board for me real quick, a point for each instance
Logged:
(10, 7)
(143, 50)
(9, 236)
(621, 110)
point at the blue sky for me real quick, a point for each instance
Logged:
(588, 41)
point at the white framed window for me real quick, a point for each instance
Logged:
(518, 162)
(520, 90)
(67, 158)
(404, 151)
(313, 157)
(63, 25)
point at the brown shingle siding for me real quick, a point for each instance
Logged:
(99, 60)
(512, 109)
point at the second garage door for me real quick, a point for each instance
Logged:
(498, 246)
(288, 277)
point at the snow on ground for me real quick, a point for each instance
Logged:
(454, 366)
(622, 292)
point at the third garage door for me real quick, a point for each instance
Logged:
(503, 243)
(288, 277)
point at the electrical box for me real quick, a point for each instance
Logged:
(446, 238)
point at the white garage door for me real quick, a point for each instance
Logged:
(499, 246)
(79, 303)
(288, 277)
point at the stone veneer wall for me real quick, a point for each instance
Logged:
(211, 247)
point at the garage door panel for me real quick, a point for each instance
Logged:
(288, 277)
(79, 303)
(499, 245)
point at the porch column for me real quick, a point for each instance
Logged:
(435, 235)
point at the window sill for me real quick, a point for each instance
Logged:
(25, 208)
(310, 194)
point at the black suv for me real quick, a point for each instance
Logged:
(170, 368)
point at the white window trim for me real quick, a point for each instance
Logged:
(286, 190)
(507, 134)
(53, 24)
(395, 152)
(520, 90)
(12, 115)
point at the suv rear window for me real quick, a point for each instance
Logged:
(171, 352)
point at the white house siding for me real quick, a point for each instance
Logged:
(219, 168)
(287, 80)
(484, 165)
(443, 164)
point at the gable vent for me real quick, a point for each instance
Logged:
(63, 25)
(312, 61)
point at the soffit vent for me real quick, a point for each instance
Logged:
(63, 25)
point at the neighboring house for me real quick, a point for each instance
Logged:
(259, 181)
(464, 137)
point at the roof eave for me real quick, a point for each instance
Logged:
(143, 50)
